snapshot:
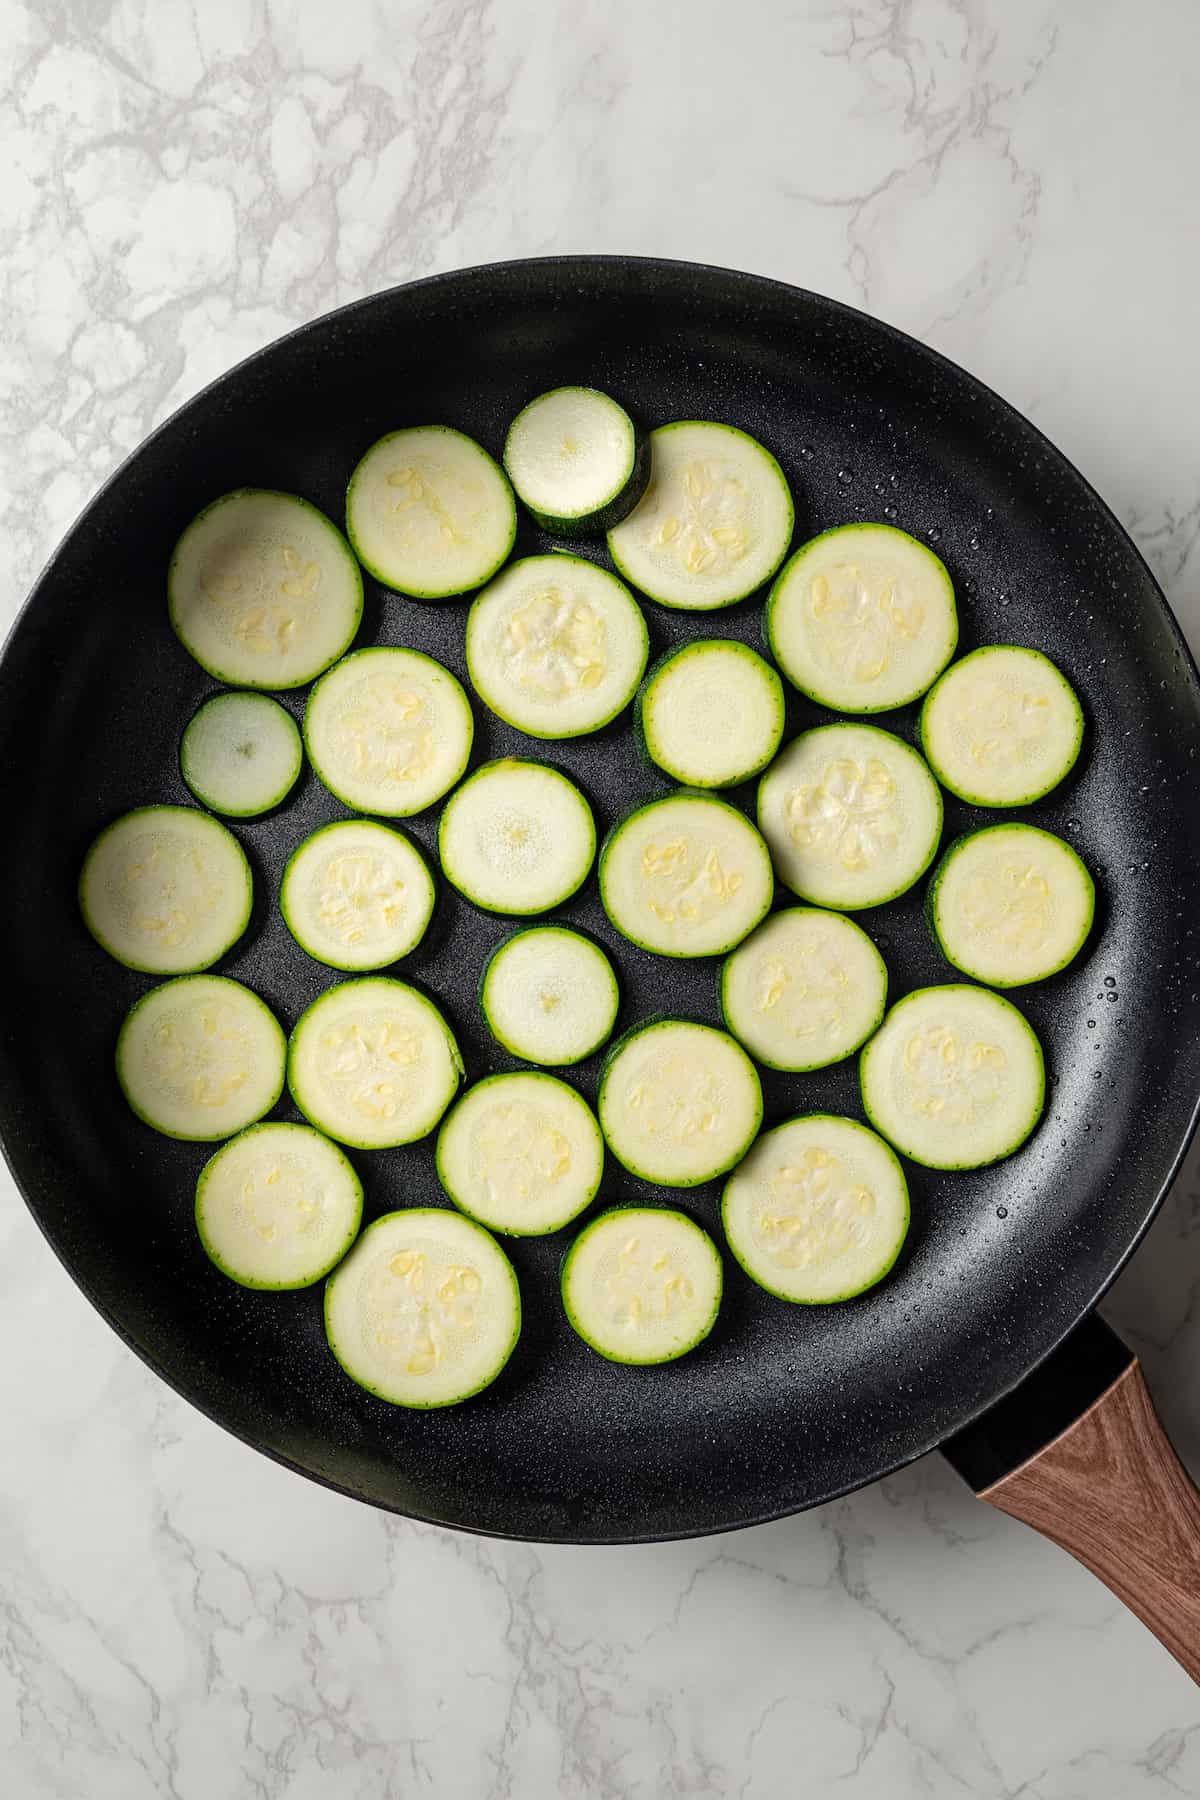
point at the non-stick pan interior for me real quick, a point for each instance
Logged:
(783, 1406)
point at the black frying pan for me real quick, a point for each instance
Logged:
(783, 1407)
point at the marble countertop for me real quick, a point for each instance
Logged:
(1010, 180)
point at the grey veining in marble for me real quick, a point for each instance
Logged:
(180, 181)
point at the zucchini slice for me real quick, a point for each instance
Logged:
(1011, 904)
(200, 1058)
(577, 461)
(804, 990)
(241, 754)
(685, 876)
(714, 523)
(521, 1153)
(1002, 726)
(549, 995)
(429, 513)
(263, 591)
(818, 1211)
(862, 618)
(517, 837)
(166, 889)
(711, 713)
(425, 1311)
(679, 1103)
(278, 1206)
(642, 1284)
(373, 1063)
(389, 731)
(357, 895)
(556, 646)
(852, 816)
(954, 1077)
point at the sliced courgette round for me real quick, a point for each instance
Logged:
(711, 713)
(954, 1077)
(517, 837)
(200, 1058)
(678, 1103)
(577, 461)
(425, 1311)
(521, 1153)
(1011, 904)
(429, 512)
(687, 875)
(556, 646)
(806, 989)
(389, 731)
(1002, 726)
(357, 895)
(713, 524)
(642, 1284)
(373, 1063)
(241, 754)
(862, 618)
(166, 889)
(851, 814)
(818, 1211)
(263, 591)
(549, 995)
(278, 1206)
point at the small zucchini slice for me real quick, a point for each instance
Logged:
(954, 1077)
(278, 1206)
(241, 754)
(577, 461)
(818, 1211)
(687, 875)
(679, 1103)
(357, 895)
(806, 989)
(201, 1058)
(1011, 904)
(425, 1311)
(852, 816)
(710, 713)
(166, 890)
(1002, 726)
(429, 513)
(389, 731)
(517, 837)
(642, 1284)
(549, 995)
(521, 1153)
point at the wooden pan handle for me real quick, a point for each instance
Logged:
(1111, 1490)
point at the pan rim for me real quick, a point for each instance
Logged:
(565, 266)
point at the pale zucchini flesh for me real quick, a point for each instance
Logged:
(521, 1153)
(556, 646)
(429, 512)
(711, 713)
(425, 1310)
(576, 460)
(357, 895)
(389, 731)
(862, 618)
(954, 1077)
(1011, 904)
(549, 995)
(679, 1103)
(241, 754)
(517, 837)
(263, 590)
(818, 1211)
(642, 1284)
(278, 1206)
(806, 989)
(166, 890)
(1002, 726)
(714, 523)
(373, 1063)
(201, 1057)
(687, 875)
(851, 814)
